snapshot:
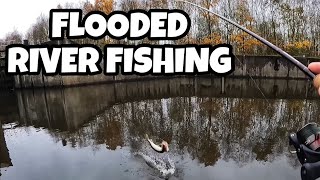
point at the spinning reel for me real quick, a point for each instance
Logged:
(307, 147)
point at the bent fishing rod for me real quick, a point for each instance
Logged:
(301, 66)
(309, 158)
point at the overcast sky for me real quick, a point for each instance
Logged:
(21, 14)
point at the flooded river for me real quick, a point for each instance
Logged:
(215, 130)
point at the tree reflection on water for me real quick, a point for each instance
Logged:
(193, 116)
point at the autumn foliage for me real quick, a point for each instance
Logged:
(212, 39)
(298, 47)
(292, 25)
(105, 6)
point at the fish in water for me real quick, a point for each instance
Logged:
(161, 163)
(163, 147)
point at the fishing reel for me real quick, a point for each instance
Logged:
(307, 147)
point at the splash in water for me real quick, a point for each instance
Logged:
(164, 165)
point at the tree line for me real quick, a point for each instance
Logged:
(293, 25)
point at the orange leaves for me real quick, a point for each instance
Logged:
(209, 4)
(298, 47)
(302, 44)
(212, 39)
(244, 38)
(244, 42)
(105, 6)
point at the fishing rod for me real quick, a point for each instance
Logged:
(301, 66)
(307, 140)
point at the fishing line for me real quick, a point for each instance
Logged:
(297, 63)
(301, 66)
(307, 157)
(255, 83)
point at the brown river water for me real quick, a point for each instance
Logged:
(215, 130)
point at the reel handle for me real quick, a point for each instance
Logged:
(310, 171)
